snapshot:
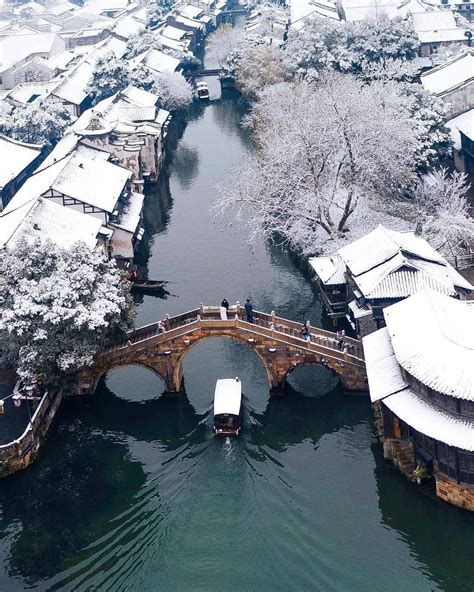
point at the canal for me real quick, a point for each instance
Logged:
(132, 492)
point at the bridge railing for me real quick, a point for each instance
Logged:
(282, 330)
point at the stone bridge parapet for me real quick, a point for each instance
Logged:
(277, 342)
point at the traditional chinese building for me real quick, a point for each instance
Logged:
(420, 369)
(380, 269)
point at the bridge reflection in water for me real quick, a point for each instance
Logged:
(278, 343)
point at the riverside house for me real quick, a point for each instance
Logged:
(380, 269)
(131, 128)
(82, 178)
(421, 379)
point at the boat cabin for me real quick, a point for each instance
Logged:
(228, 407)
(202, 90)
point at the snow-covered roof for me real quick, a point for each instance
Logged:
(131, 214)
(190, 11)
(132, 105)
(227, 396)
(431, 421)
(128, 26)
(73, 89)
(14, 158)
(173, 44)
(173, 33)
(383, 370)
(386, 383)
(435, 20)
(159, 61)
(25, 91)
(462, 123)
(358, 310)
(330, 270)
(454, 74)
(380, 245)
(47, 220)
(92, 181)
(433, 340)
(390, 264)
(199, 26)
(111, 44)
(61, 8)
(368, 10)
(17, 48)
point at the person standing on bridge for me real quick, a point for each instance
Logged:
(249, 311)
(305, 332)
(225, 304)
(341, 337)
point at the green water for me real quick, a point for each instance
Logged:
(133, 493)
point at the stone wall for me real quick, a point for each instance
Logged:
(458, 494)
(402, 454)
(20, 453)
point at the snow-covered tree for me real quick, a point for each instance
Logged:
(140, 43)
(141, 77)
(429, 114)
(442, 210)
(41, 122)
(380, 38)
(111, 74)
(321, 149)
(352, 46)
(174, 91)
(258, 65)
(221, 43)
(59, 308)
(156, 11)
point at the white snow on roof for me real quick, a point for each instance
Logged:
(433, 339)
(131, 213)
(454, 73)
(25, 91)
(462, 123)
(94, 182)
(73, 88)
(431, 421)
(173, 33)
(160, 61)
(435, 20)
(330, 270)
(380, 245)
(128, 26)
(47, 220)
(389, 264)
(189, 22)
(359, 311)
(369, 10)
(14, 158)
(383, 370)
(173, 44)
(190, 11)
(18, 47)
(227, 396)
(139, 97)
(444, 36)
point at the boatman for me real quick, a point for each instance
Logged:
(249, 311)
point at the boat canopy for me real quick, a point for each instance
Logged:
(227, 396)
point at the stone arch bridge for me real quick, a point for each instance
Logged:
(277, 342)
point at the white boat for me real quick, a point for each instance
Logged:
(228, 407)
(202, 90)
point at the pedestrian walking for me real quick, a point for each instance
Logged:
(160, 328)
(249, 311)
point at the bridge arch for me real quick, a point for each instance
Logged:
(178, 364)
(103, 372)
(316, 364)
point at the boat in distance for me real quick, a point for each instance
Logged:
(202, 90)
(228, 407)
